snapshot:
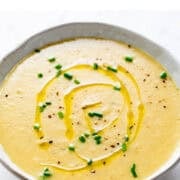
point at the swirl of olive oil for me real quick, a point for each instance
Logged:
(68, 101)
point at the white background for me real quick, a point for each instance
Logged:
(161, 27)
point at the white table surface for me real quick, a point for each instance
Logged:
(161, 27)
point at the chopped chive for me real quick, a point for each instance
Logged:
(90, 161)
(95, 66)
(82, 139)
(86, 135)
(46, 173)
(97, 137)
(116, 88)
(76, 81)
(95, 133)
(42, 107)
(40, 75)
(58, 73)
(124, 147)
(111, 69)
(163, 75)
(68, 76)
(128, 58)
(58, 66)
(98, 141)
(48, 103)
(133, 170)
(93, 114)
(37, 50)
(71, 147)
(51, 60)
(36, 126)
(126, 138)
(60, 115)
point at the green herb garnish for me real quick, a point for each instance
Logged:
(98, 141)
(126, 138)
(97, 137)
(58, 66)
(95, 66)
(42, 107)
(163, 75)
(51, 60)
(133, 170)
(111, 69)
(86, 135)
(68, 76)
(82, 139)
(93, 114)
(116, 88)
(90, 161)
(40, 75)
(95, 133)
(71, 147)
(76, 81)
(46, 173)
(36, 126)
(128, 58)
(124, 147)
(58, 73)
(48, 103)
(60, 115)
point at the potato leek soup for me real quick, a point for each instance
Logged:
(89, 109)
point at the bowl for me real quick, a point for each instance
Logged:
(97, 30)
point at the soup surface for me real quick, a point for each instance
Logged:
(89, 109)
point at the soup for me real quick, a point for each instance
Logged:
(89, 109)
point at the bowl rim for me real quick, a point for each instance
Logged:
(18, 172)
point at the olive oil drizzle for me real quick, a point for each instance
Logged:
(68, 100)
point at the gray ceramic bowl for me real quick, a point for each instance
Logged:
(99, 30)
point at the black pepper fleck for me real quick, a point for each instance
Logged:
(58, 162)
(49, 116)
(93, 171)
(131, 127)
(112, 146)
(51, 141)
(37, 50)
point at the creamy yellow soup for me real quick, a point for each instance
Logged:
(89, 109)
